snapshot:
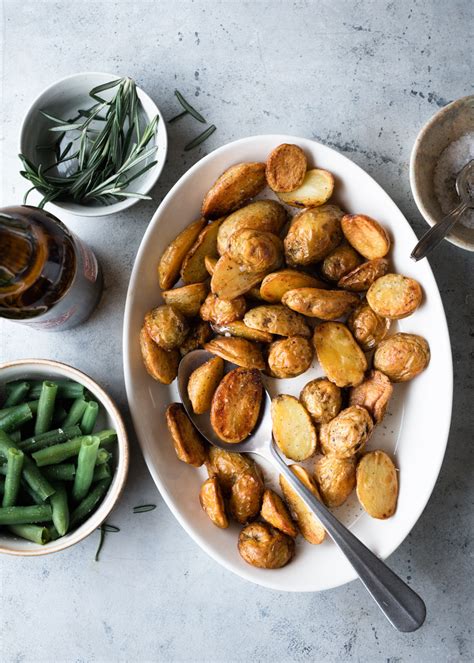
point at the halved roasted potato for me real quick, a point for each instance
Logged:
(221, 311)
(346, 434)
(366, 235)
(210, 497)
(293, 429)
(277, 319)
(161, 364)
(233, 188)
(199, 333)
(394, 296)
(322, 399)
(309, 525)
(275, 512)
(210, 263)
(276, 284)
(313, 234)
(316, 189)
(367, 326)
(265, 215)
(188, 299)
(377, 484)
(374, 394)
(188, 443)
(318, 303)
(236, 404)
(289, 357)
(336, 479)
(173, 256)
(227, 467)
(286, 168)
(239, 328)
(256, 251)
(263, 546)
(166, 326)
(193, 268)
(402, 356)
(342, 260)
(203, 382)
(246, 496)
(229, 280)
(342, 360)
(362, 277)
(237, 350)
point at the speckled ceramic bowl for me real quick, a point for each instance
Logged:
(445, 127)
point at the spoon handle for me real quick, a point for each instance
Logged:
(403, 608)
(436, 233)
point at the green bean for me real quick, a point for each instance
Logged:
(19, 515)
(103, 456)
(34, 533)
(89, 417)
(59, 415)
(101, 472)
(17, 416)
(33, 407)
(32, 494)
(60, 509)
(46, 404)
(15, 460)
(85, 467)
(66, 389)
(15, 436)
(17, 393)
(31, 473)
(62, 472)
(107, 437)
(58, 452)
(53, 533)
(89, 502)
(48, 439)
(75, 413)
(2, 485)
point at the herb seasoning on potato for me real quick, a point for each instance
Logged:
(236, 404)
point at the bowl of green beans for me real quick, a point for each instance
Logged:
(63, 456)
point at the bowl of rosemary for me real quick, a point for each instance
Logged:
(92, 144)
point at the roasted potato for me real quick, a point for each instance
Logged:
(210, 263)
(366, 235)
(312, 235)
(203, 382)
(286, 168)
(322, 399)
(265, 215)
(188, 443)
(317, 303)
(367, 327)
(199, 333)
(274, 285)
(394, 296)
(316, 189)
(246, 497)
(161, 364)
(290, 357)
(173, 256)
(221, 311)
(377, 484)
(166, 326)
(237, 350)
(342, 260)
(239, 328)
(402, 356)
(341, 359)
(374, 394)
(275, 512)
(309, 525)
(229, 280)
(236, 404)
(210, 497)
(255, 250)
(193, 268)
(188, 299)
(233, 188)
(362, 277)
(293, 429)
(227, 467)
(346, 434)
(264, 547)
(277, 319)
(336, 479)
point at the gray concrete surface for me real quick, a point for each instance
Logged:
(360, 76)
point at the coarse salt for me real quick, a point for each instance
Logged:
(450, 163)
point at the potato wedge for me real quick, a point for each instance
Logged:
(255, 250)
(312, 235)
(342, 361)
(394, 296)
(236, 404)
(322, 399)
(277, 319)
(342, 260)
(173, 256)
(229, 280)
(203, 382)
(374, 394)
(316, 189)
(309, 525)
(264, 547)
(210, 263)
(336, 479)
(237, 350)
(362, 277)
(293, 429)
(290, 357)
(166, 326)
(199, 333)
(188, 299)
(233, 188)
(188, 443)
(221, 311)
(366, 235)
(402, 356)
(274, 285)
(212, 502)
(317, 303)
(265, 215)
(345, 435)
(377, 484)
(239, 329)
(193, 268)
(367, 327)
(161, 364)
(227, 467)
(286, 168)
(275, 512)
(246, 497)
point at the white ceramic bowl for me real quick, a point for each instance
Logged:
(109, 417)
(445, 127)
(414, 432)
(63, 98)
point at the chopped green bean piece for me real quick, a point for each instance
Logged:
(32, 404)
(19, 515)
(16, 417)
(60, 509)
(61, 472)
(35, 533)
(17, 393)
(31, 473)
(103, 456)
(89, 417)
(48, 439)
(46, 404)
(89, 502)
(101, 472)
(58, 452)
(31, 493)
(85, 467)
(15, 436)
(107, 437)
(53, 533)
(15, 460)
(75, 413)
(67, 389)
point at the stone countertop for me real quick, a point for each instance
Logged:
(361, 77)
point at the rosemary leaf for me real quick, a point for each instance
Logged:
(143, 508)
(201, 138)
(178, 117)
(187, 106)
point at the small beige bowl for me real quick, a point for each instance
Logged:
(445, 127)
(109, 417)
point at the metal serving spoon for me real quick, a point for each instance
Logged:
(403, 608)
(465, 189)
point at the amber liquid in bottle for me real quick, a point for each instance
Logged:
(49, 279)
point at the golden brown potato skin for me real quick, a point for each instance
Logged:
(347, 433)
(286, 167)
(236, 404)
(210, 263)
(402, 356)
(203, 382)
(221, 311)
(277, 319)
(275, 512)
(233, 188)
(199, 333)
(336, 479)
(362, 277)
(227, 467)
(188, 443)
(377, 484)
(239, 328)
(193, 268)
(289, 357)
(173, 256)
(161, 364)
(263, 546)
(394, 296)
(237, 350)
(274, 285)
(342, 260)
(374, 394)
(166, 326)
(255, 250)
(322, 304)
(246, 497)
(313, 234)
(366, 235)
(367, 327)
(309, 525)
(212, 502)
(293, 429)
(316, 189)
(188, 299)
(229, 280)
(342, 360)
(323, 400)
(265, 215)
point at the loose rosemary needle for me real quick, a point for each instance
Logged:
(143, 508)
(105, 527)
(187, 109)
(201, 138)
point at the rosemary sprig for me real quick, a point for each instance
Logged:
(105, 527)
(201, 138)
(188, 108)
(143, 508)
